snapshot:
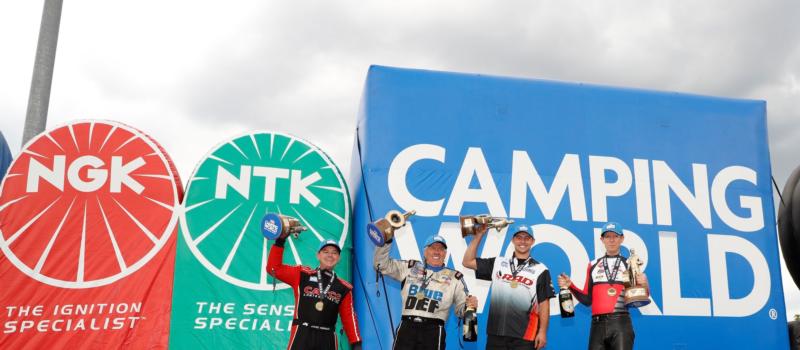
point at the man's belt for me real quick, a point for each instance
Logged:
(611, 316)
(423, 320)
(313, 326)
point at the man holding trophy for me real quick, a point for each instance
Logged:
(521, 287)
(429, 289)
(320, 295)
(613, 283)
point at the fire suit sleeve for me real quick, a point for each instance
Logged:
(584, 295)
(460, 295)
(286, 273)
(544, 287)
(349, 319)
(396, 269)
(484, 270)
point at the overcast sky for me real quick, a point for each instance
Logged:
(192, 73)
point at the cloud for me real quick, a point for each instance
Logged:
(193, 73)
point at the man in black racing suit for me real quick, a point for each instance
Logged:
(320, 296)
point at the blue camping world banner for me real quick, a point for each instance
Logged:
(687, 176)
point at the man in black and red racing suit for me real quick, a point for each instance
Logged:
(319, 297)
(604, 291)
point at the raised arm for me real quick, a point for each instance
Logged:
(275, 267)
(397, 269)
(470, 256)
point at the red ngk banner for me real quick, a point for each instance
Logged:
(87, 232)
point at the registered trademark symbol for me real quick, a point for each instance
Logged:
(773, 314)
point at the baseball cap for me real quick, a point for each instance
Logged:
(328, 242)
(435, 239)
(525, 228)
(611, 227)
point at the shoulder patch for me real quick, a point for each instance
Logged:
(306, 269)
(345, 283)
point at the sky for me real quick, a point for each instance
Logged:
(191, 73)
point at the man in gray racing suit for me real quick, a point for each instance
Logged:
(428, 291)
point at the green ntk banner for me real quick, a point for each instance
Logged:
(223, 297)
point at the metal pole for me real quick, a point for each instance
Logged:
(39, 97)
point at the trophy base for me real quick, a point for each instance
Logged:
(377, 233)
(636, 297)
(467, 224)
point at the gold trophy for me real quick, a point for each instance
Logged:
(636, 293)
(469, 222)
(382, 230)
(274, 226)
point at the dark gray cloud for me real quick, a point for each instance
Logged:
(300, 68)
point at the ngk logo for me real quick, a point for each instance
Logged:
(87, 204)
(85, 174)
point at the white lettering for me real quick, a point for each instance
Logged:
(475, 165)
(567, 179)
(398, 171)
(718, 247)
(721, 183)
(673, 303)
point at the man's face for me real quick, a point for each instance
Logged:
(435, 254)
(612, 241)
(522, 242)
(328, 257)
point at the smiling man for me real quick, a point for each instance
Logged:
(519, 310)
(429, 289)
(320, 297)
(605, 292)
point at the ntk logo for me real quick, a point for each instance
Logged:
(248, 176)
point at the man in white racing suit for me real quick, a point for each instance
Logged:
(521, 288)
(429, 289)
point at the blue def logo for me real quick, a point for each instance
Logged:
(271, 226)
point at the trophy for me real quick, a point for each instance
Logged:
(636, 293)
(275, 225)
(469, 222)
(382, 230)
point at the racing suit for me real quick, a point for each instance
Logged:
(518, 288)
(428, 293)
(605, 292)
(313, 328)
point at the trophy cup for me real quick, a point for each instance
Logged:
(275, 225)
(636, 293)
(382, 230)
(469, 222)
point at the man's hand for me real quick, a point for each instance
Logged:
(564, 281)
(481, 229)
(540, 341)
(472, 302)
